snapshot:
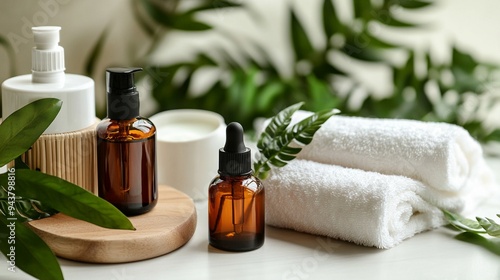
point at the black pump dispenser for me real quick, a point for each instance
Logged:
(235, 159)
(123, 97)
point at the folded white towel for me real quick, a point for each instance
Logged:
(363, 207)
(440, 155)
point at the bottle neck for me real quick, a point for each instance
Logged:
(227, 177)
(123, 106)
(48, 77)
(47, 65)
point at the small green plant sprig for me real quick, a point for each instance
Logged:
(478, 226)
(278, 144)
(28, 195)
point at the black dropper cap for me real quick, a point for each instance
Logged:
(123, 97)
(235, 159)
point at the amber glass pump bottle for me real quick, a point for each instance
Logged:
(236, 198)
(126, 142)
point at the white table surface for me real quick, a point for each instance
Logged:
(291, 255)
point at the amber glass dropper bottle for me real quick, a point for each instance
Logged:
(236, 198)
(126, 142)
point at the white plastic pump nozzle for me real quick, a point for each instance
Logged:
(47, 55)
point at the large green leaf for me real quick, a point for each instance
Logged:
(25, 209)
(32, 255)
(23, 127)
(67, 198)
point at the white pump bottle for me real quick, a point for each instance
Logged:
(49, 80)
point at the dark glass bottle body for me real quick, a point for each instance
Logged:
(236, 213)
(126, 164)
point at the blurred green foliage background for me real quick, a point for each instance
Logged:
(251, 85)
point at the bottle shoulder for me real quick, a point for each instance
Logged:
(224, 183)
(126, 130)
(71, 83)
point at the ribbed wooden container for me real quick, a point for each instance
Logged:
(70, 156)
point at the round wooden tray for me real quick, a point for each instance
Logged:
(167, 227)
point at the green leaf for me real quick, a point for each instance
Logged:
(67, 198)
(32, 255)
(184, 22)
(331, 22)
(402, 76)
(302, 46)
(391, 21)
(414, 4)
(187, 23)
(304, 130)
(268, 94)
(19, 163)
(248, 94)
(476, 239)
(280, 122)
(360, 50)
(491, 227)
(362, 9)
(214, 5)
(462, 223)
(25, 209)
(493, 136)
(463, 60)
(23, 127)
(274, 143)
(321, 96)
(375, 42)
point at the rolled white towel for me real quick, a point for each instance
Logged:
(366, 208)
(440, 155)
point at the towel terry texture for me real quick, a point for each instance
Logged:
(336, 188)
(366, 208)
(440, 155)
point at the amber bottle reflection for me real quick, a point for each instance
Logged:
(236, 213)
(126, 168)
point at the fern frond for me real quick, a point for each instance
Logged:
(275, 143)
